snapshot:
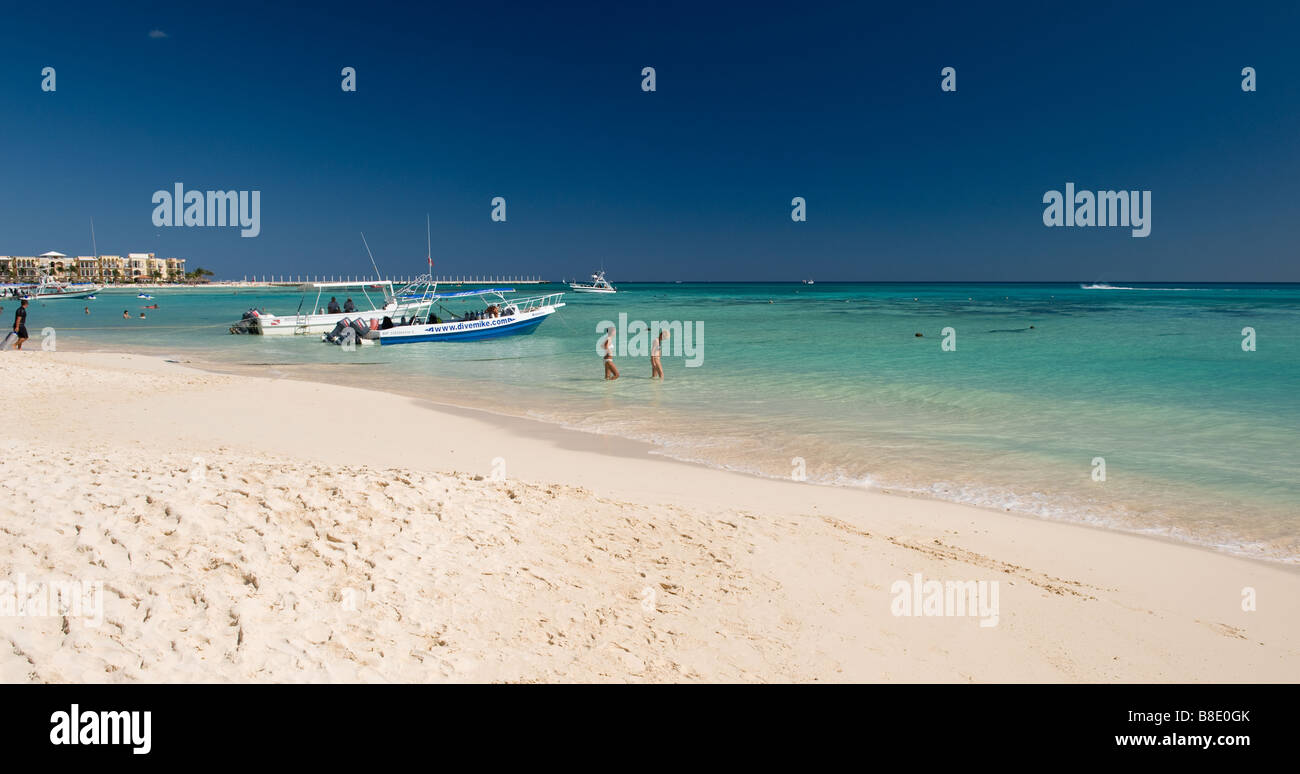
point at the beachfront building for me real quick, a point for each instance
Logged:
(87, 268)
(22, 268)
(135, 267)
(112, 268)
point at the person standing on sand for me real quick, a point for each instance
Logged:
(656, 349)
(20, 324)
(608, 344)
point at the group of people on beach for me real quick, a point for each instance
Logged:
(656, 351)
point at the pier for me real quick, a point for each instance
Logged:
(287, 279)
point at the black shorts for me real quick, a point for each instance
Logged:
(22, 332)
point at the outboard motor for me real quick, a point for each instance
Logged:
(336, 336)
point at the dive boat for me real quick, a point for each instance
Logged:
(318, 319)
(500, 316)
(598, 284)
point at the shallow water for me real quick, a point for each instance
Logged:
(1200, 438)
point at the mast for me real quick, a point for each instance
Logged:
(378, 276)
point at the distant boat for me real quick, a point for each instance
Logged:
(809, 282)
(143, 295)
(49, 289)
(598, 284)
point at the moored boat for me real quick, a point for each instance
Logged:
(319, 319)
(598, 284)
(50, 289)
(500, 316)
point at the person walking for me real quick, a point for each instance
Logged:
(611, 370)
(656, 349)
(20, 324)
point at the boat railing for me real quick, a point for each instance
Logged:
(535, 302)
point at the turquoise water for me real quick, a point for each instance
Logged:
(1200, 438)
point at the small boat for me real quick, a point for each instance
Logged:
(598, 284)
(809, 282)
(500, 317)
(143, 295)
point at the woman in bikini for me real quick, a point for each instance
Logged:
(611, 371)
(656, 348)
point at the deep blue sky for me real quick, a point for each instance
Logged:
(541, 103)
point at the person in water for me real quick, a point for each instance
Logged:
(334, 305)
(20, 324)
(126, 315)
(348, 306)
(86, 310)
(656, 347)
(611, 370)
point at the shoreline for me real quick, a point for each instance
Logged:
(639, 448)
(651, 569)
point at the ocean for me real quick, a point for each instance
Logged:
(1015, 397)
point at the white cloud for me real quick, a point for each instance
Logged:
(157, 34)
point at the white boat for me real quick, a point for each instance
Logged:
(50, 289)
(598, 284)
(318, 318)
(809, 282)
(500, 316)
(145, 296)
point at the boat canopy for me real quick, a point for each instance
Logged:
(481, 292)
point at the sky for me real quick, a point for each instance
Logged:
(755, 104)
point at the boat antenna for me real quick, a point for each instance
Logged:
(372, 256)
(428, 235)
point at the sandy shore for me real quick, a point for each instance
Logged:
(261, 529)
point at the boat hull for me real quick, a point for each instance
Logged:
(446, 332)
(462, 330)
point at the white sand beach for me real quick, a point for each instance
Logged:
(266, 529)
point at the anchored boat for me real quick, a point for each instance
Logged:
(319, 317)
(50, 289)
(500, 316)
(598, 284)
